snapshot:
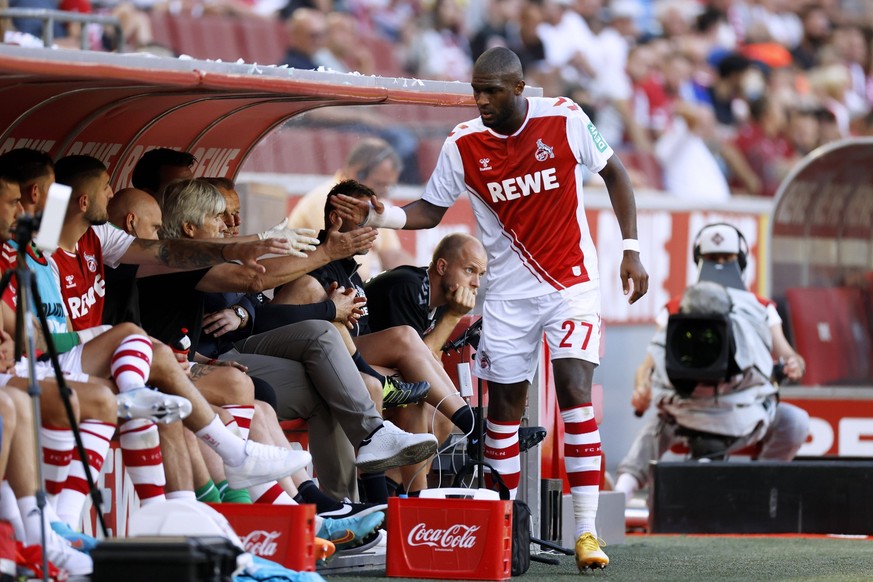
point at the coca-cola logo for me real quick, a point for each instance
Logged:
(455, 536)
(261, 543)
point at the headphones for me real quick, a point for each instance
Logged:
(377, 158)
(742, 256)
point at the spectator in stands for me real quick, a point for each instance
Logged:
(816, 34)
(764, 143)
(728, 87)
(501, 27)
(372, 162)
(831, 85)
(440, 49)
(307, 35)
(850, 46)
(747, 411)
(773, 20)
(803, 130)
(343, 50)
(570, 46)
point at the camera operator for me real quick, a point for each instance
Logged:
(741, 418)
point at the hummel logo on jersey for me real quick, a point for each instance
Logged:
(513, 188)
(484, 162)
(71, 282)
(544, 152)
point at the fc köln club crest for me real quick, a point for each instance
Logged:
(544, 152)
(91, 261)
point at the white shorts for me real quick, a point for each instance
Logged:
(512, 329)
(71, 361)
(44, 371)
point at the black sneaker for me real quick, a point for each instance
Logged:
(397, 393)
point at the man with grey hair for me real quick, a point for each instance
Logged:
(291, 358)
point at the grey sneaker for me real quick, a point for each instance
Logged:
(152, 405)
(265, 463)
(391, 447)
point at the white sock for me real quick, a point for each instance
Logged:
(9, 510)
(231, 448)
(30, 518)
(182, 495)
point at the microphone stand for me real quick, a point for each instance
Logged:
(29, 304)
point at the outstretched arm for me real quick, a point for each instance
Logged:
(414, 216)
(622, 197)
(281, 270)
(197, 254)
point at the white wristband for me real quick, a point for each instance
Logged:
(630, 244)
(393, 217)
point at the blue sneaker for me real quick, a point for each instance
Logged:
(79, 541)
(350, 532)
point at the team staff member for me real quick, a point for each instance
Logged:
(521, 161)
(433, 299)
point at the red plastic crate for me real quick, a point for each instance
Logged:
(455, 539)
(281, 533)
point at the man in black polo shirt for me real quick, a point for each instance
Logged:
(431, 300)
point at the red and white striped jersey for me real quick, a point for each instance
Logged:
(526, 193)
(80, 274)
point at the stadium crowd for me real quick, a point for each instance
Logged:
(703, 98)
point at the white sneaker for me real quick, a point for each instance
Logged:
(61, 554)
(391, 447)
(265, 463)
(152, 405)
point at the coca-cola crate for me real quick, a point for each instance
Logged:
(281, 533)
(450, 538)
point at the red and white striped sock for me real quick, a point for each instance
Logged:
(582, 460)
(243, 416)
(141, 454)
(271, 493)
(131, 362)
(501, 452)
(57, 453)
(95, 438)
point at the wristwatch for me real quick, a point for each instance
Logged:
(242, 314)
